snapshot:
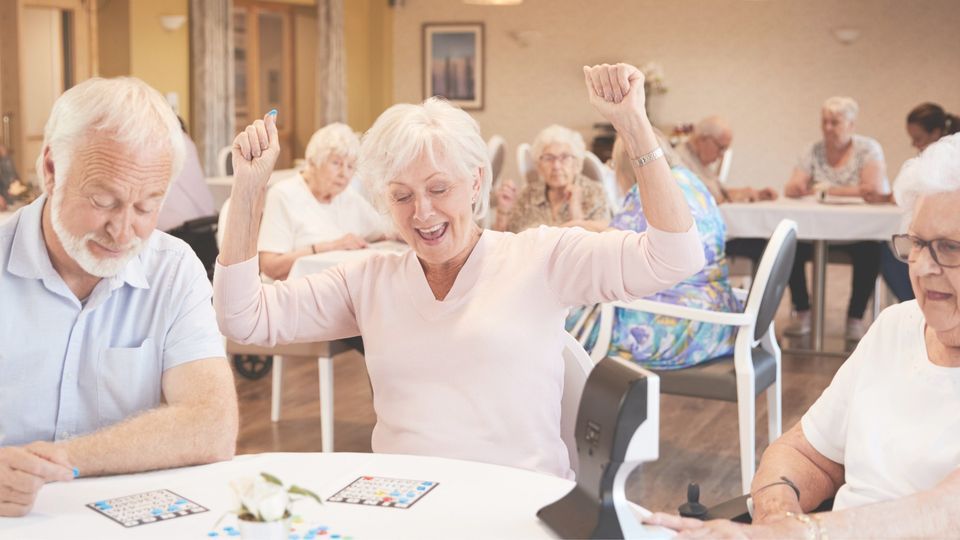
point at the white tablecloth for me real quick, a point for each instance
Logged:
(471, 500)
(815, 220)
(312, 264)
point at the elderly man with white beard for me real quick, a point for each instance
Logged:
(111, 359)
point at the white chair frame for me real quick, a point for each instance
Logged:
(745, 323)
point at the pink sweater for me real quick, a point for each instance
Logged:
(479, 375)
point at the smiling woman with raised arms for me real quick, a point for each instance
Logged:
(463, 334)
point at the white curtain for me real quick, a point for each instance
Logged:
(211, 80)
(331, 96)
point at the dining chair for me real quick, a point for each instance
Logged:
(525, 166)
(576, 368)
(754, 366)
(497, 150)
(225, 161)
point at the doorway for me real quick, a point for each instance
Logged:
(50, 45)
(263, 68)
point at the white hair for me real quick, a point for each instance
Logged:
(935, 170)
(557, 134)
(434, 129)
(714, 127)
(336, 138)
(126, 108)
(847, 106)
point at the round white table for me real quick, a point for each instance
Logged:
(471, 500)
(820, 222)
(312, 264)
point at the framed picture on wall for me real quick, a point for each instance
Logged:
(453, 63)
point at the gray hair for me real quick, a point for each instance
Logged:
(847, 106)
(557, 134)
(935, 170)
(126, 108)
(714, 127)
(336, 138)
(434, 129)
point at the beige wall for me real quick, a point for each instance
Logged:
(113, 33)
(158, 56)
(369, 43)
(766, 66)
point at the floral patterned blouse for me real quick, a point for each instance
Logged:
(661, 342)
(814, 162)
(532, 208)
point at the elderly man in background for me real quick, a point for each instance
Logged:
(710, 139)
(884, 438)
(111, 359)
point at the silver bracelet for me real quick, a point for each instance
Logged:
(657, 153)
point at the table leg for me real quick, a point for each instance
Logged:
(819, 294)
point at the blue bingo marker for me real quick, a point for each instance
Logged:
(273, 112)
(76, 472)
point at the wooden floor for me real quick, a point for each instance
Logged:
(698, 438)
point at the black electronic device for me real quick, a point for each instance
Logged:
(617, 429)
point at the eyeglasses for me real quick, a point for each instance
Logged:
(945, 253)
(550, 158)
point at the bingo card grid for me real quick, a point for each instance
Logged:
(145, 508)
(385, 492)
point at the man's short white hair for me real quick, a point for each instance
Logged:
(333, 139)
(714, 127)
(557, 134)
(435, 129)
(847, 106)
(125, 108)
(935, 170)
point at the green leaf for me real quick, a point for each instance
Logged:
(297, 490)
(271, 478)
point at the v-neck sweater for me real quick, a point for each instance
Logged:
(478, 375)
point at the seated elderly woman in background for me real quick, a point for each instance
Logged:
(884, 438)
(844, 164)
(560, 194)
(314, 211)
(464, 332)
(926, 124)
(658, 341)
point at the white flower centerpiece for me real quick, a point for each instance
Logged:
(265, 506)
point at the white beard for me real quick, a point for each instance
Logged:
(78, 250)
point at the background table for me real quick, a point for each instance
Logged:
(820, 222)
(472, 500)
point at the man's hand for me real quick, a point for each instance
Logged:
(24, 470)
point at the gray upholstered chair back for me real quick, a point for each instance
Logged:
(779, 253)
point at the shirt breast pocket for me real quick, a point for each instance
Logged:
(128, 381)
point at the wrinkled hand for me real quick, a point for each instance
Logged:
(767, 194)
(255, 152)
(690, 528)
(616, 92)
(350, 241)
(573, 195)
(24, 470)
(506, 196)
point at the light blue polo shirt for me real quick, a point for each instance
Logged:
(66, 368)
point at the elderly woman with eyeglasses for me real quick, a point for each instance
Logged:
(315, 211)
(464, 332)
(884, 438)
(845, 164)
(561, 195)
